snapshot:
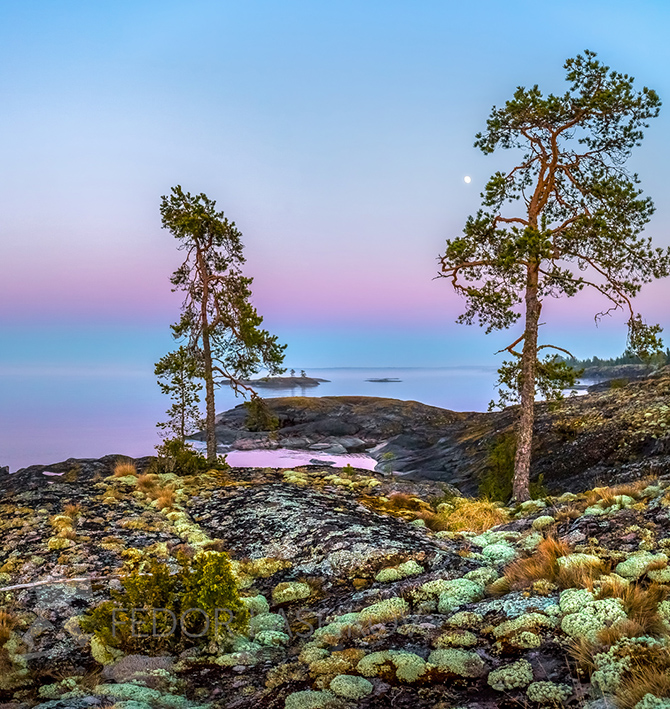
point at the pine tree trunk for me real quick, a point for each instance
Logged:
(210, 425)
(210, 416)
(524, 446)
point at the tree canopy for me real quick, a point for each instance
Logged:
(218, 320)
(567, 216)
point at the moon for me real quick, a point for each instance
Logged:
(467, 179)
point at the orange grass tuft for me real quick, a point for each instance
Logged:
(73, 511)
(653, 679)
(123, 468)
(543, 564)
(165, 498)
(7, 623)
(640, 604)
(146, 482)
(469, 516)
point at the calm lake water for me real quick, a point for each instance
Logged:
(51, 415)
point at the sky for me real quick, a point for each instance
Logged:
(336, 135)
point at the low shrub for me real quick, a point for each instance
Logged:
(157, 610)
(175, 456)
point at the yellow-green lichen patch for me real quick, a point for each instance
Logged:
(384, 611)
(406, 666)
(290, 591)
(515, 676)
(465, 619)
(395, 573)
(256, 604)
(543, 522)
(309, 699)
(455, 638)
(457, 593)
(351, 686)
(522, 632)
(549, 694)
(454, 661)
(593, 617)
(638, 563)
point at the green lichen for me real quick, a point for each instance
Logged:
(515, 676)
(500, 554)
(384, 611)
(408, 666)
(464, 663)
(521, 632)
(638, 563)
(483, 576)
(457, 593)
(267, 621)
(256, 604)
(271, 638)
(290, 591)
(543, 522)
(649, 701)
(549, 693)
(395, 573)
(465, 619)
(309, 699)
(351, 686)
(573, 600)
(593, 618)
(388, 575)
(456, 638)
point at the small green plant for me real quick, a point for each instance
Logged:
(496, 481)
(175, 456)
(619, 383)
(259, 417)
(158, 610)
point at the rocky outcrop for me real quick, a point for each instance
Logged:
(365, 591)
(603, 436)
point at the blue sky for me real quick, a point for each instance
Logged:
(335, 134)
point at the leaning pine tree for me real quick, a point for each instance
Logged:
(220, 324)
(567, 216)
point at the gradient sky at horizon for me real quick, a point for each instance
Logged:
(336, 136)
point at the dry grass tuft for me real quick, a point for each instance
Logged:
(7, 623)
(147, 482)
(582, 652)
(606, 495)
(402, 501)
(165, 497)
(543, 564)
(73, 511)
(652, 678)
(123, 468)
(571, 511)
(468, 515)
(640, 604)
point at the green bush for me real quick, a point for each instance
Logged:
(175, 456)
(259, 417)
(138, 617)
(495, 483)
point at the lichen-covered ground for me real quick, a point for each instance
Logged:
(364, 591)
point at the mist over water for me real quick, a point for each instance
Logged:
(49, 415)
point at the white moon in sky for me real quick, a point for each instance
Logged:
(467, 179)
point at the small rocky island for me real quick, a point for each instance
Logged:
(347, 588)
(284, 382)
